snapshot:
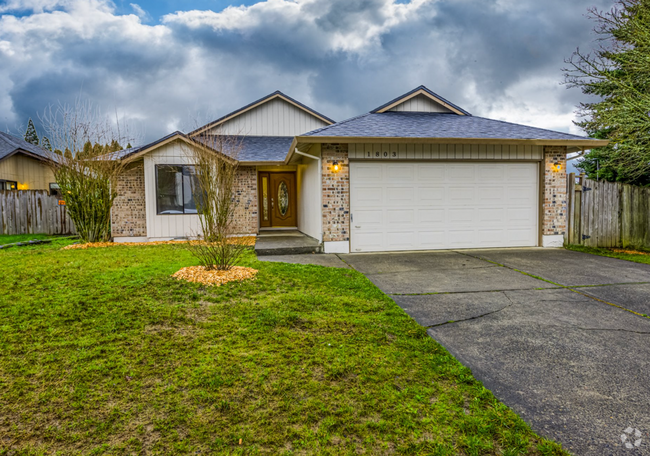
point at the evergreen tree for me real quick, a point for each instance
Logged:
(45, 144)
(129, 146)
(30, 135)
(618, 74)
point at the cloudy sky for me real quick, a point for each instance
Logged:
(162, 62)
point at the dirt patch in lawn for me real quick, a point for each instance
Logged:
(199, 274)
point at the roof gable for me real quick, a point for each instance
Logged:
(276, 114)
(420, 99)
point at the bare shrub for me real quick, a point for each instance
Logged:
(85, 174)
(215, 176)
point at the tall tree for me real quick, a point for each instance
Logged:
(30, 134)
(617, 75)
(45, 144)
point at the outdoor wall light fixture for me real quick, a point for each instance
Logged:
(335, 166)
(557, 167)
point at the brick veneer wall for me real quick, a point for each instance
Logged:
(336, 193)
(246, 195)
(129, 216)
(555, 191)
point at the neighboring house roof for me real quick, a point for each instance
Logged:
(421, 90)
(248, 107)
(11, 145)
(425, 125)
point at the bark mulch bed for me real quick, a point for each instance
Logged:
(198, 274)
(247, 240)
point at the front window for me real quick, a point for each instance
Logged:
(176, 189)
(8, 185)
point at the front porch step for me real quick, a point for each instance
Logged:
(285, 242)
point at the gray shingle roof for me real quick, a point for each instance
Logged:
(11, 144)
(435, 125)
(261, 148)
(264, 148)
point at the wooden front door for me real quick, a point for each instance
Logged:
(277, 199)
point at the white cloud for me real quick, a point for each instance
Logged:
(342, 57)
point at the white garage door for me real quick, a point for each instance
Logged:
(421, 206)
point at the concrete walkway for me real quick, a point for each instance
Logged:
(542, 330)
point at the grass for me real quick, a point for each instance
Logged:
(102, 352)
(10, 239)
(641, 257)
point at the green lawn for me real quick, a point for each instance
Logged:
(10, 239)
(101, 352)
(641, 257)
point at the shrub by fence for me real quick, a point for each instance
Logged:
(33, 212)
(607, 214)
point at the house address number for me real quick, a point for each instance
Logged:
(381, 154)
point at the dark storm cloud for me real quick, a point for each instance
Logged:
(343, 57)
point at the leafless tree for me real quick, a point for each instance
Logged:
(215, 158)
(86, 175)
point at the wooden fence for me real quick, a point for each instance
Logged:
(607, 214)
(33, 212)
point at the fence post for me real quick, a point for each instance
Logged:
(571, 208)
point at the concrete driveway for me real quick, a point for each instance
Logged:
(551, 332)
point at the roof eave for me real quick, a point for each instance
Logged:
(579, 143)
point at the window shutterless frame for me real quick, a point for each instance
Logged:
(8, 185)
(182, 167)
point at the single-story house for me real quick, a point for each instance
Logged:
(416, 173)
(24, 166)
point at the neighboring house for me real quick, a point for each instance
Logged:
(416, 173)
(23, 166)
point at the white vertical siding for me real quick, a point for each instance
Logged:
(273, 118)
(170, 225)
(31, 174)
(309, 196)
(387, 151)
(419, 103)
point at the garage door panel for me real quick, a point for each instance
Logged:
(461, 238)
(492, 238)
(400, 240)
(461, 216)
(369, 217)
(429, 172)
(462, 195)
(432, 239)
(399, 173)
(431, 217)
(366, 172)
(369, 196)
(461, 173)
(399, 196)
(492, 216)
(429, 195)
(411, 206)
(400, 217)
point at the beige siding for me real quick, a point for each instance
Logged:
(386, 151)
(273, 118)
(309, 195)
(171, 225)
(31, 174)
(419, 103)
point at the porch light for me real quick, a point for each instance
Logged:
(557, 167)
(335, 166)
